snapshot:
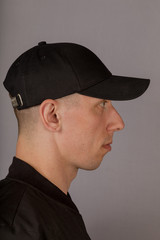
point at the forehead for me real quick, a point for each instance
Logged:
(78, 102)
(89, 100)
(77, 98)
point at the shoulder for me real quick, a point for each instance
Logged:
(17, 218)
(11, 197)
(11, 193)
(24, 210)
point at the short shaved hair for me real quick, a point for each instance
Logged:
(28, 118)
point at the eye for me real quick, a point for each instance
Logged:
(103, 104)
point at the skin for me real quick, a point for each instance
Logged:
(68, 134)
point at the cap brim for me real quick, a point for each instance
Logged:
(118, 88)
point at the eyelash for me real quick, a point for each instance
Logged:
(104, 103)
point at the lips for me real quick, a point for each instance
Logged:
(108, 146)
(108, 143)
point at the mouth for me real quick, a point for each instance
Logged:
(108, 146)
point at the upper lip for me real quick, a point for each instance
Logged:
(108, 143)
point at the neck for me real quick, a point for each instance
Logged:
(47, 162)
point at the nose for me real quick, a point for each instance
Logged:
(116, 122)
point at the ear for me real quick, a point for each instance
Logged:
(49, 115)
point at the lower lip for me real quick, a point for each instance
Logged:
(108, 147)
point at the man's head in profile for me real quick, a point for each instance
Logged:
(62, 98)
(61, 94)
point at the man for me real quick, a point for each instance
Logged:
(61, 94)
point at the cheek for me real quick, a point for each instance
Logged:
(81, 141)
(78, 133)
(86, 134)
(83, 132)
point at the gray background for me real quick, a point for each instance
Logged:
(121, 199)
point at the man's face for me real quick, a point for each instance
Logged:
(87, 132)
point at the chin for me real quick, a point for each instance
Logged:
(93, 165)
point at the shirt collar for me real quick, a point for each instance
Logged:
(22, 171)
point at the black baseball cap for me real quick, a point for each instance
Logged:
(56, 70)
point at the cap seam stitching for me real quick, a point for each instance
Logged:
(92, 85)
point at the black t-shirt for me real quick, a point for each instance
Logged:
(31, 207)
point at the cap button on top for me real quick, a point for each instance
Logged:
(42, 43)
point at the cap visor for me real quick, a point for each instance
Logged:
(118, 88)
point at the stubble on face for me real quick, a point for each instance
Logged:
(84, 132)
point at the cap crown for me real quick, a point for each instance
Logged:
(53, 71)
